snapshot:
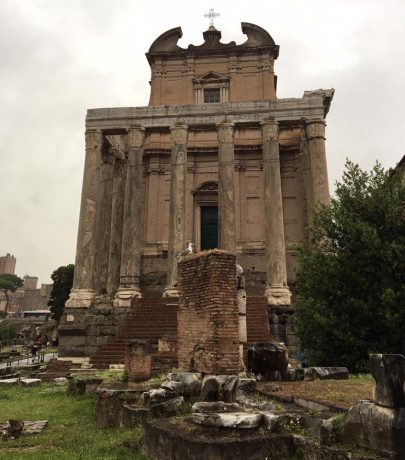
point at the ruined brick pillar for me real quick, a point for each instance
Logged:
(132, 223)
(208, 314)
(226, 188)
(318, 171)
(277, 290)
(177, 212)
(137, 361)
(82, 291)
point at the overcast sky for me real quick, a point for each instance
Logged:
(60, 57)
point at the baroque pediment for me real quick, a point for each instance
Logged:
(210, 77)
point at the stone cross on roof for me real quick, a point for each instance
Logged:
(211, 15)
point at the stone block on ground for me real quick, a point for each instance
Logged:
(30, 382)
(267, 358)
(60, 381)
(190, 380)
(389, 373)
(371, 426)
(209, 389)
(151, 397)
(325, 373)
(167, 408)
(9, 382)
(232, 420)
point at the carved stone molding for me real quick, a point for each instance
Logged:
(135, 137)
(179, 134)
(269, 130)
(225, 132)
(93, 139)
(315, 129)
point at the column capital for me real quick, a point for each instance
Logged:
(269, 129)
(315, 129)
(135, 137)
(93, 138)
(225, 132)
(179, 133)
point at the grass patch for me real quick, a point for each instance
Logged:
(340, 393)
(71, 432)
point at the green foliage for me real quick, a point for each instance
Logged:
(9, 283)
(62, 279)
(351, 275)
(7, 331)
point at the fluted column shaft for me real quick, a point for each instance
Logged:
(177, 212)
(117, 215)
(100, 271)
(132, 221)
(319, 184)
(277, 291)
(226, 188)
(82, 291)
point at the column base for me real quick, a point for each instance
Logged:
(124, 296)
(80, 298)
(170, 291)
(278, 295)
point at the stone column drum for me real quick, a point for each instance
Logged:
(177, 212)
(132, 223)
(277, 290)
(226, 188)
(315, 133)
(83, 291)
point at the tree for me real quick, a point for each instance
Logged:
(351, 274)
(62, 279)
(9, 283)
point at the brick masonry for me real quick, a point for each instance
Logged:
(207, 326)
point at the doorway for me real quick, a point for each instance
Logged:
(209, 227)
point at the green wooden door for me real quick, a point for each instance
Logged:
(209, 227)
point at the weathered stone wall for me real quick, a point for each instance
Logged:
(207, 320)
(83, 330)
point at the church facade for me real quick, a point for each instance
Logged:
(215, 159)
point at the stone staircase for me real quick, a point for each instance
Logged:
(257, 320)
(153, 318)
(149, 319)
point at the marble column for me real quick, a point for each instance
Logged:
(82, 291)
(117, 215)
(318, 177)
(277, 290)
(132, 221)
(177, 212)
(226, 188)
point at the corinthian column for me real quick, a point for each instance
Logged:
(177, 212)
(117, 215)
(319, 184)
(277, 291)
(226, 188)
(132, 222)
(83, 291)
